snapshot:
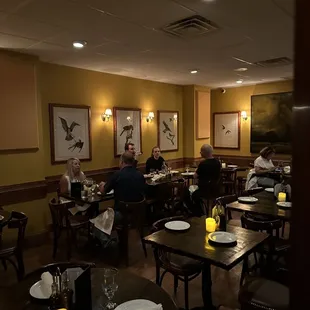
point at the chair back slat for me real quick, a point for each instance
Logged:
(59, 212)
(225, 200)
(160, 224)
(19, 221)
(263, 225)
(252, 191)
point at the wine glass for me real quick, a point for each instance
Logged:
(187, 168)
(88, 183)
(110, 286)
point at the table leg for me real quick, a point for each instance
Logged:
(207, 287)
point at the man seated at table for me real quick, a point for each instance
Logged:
(208, 175)
(155, 162)
(130, 147)
(128, 183)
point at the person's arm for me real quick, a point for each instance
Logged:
(63, 185)
(107, 187)
(260, 170)
(147, 167)
(197, 172)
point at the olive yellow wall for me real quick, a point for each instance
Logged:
(239, 99)
(66, 85)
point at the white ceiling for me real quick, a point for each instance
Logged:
(124, 37)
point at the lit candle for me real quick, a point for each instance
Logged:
(282, 197)
(210, 224)
(223, 165)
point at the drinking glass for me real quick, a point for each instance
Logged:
(110, 286)
(187, 168)
(88, 183)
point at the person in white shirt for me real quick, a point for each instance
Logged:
(262, 165)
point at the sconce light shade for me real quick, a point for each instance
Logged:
(175, 116)
(244, 115)
(106, 115)
(150, 117)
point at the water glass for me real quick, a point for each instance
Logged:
(110, 286)
(187, 168)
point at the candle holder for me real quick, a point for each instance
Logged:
(210, 224)
(282, 197)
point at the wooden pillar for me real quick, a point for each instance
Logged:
(300, 259)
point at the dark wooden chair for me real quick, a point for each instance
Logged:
(208, 195)
(7, 253)
(132, 216)
(63, 221)
(182, 268)
(241, 181)
(252, 191)
(274, 247)
(224, 201)
(229, 180)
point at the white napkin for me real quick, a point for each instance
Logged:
(157, 177)
(157, 307)
(47, 281)
(287, 169)
(104, 221)
(193, 188)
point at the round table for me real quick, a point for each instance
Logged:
(130, 285)
(6, 217)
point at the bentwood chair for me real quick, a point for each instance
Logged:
(7, 253)
(132, 216)
(63, 221)
(224, 201)
(253, 191)
(229, 180)
(182, 268)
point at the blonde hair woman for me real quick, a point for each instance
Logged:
(73, 173)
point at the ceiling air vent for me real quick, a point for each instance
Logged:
(190, 27)
(275, 62)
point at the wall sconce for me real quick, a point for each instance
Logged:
(106, 115)
(150, 117)
(244, 115)
(175, 117)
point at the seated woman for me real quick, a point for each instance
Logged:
(155, 162)
(262, 165)
(73, 173)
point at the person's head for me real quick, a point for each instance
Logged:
(130, 147)
(156, 152)
(267, 152)
(127, 159)
(73, 168)
(206, 151)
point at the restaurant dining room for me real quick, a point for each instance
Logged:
(154, 154)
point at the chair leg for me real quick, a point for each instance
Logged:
(244, 270)
(20, 265)
(186, 293)
(55, 247)
(176, 284)
(283, 229)
(144, 247)
(4, 265)
(69, 241)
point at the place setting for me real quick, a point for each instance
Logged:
(248, 199)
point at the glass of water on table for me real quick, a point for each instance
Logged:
(110, 286)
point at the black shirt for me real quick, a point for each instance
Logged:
(208, 171)
(128, 185)
(155, 164)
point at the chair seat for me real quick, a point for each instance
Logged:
(180, 264)
(264, 294)
(7, 250)
(77, 221)
(278, 245)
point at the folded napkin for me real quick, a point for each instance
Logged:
(104, 221)
(47, 281)
(157, 307)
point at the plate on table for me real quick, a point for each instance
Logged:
(174, 171)
(232, 166)
(1, 217)
(269, 190)
(188, 173)
(222, 237)
(39, 290)
(247, 199)
(148, 176)
(177, 225)
(138, 304)
(285, 204)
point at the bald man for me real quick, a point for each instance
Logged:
(209, 169)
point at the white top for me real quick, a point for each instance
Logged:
(263, 163)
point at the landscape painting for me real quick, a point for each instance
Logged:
(271, 122)
(69, 132)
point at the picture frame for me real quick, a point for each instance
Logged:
(168, 130)
(226, 130)
(127, 128)
(70, 132)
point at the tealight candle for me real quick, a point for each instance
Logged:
(210, 224)
(224, 165)
(282, 197)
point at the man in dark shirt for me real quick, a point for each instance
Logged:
(130, 147)
(155, 162)
(128, 183)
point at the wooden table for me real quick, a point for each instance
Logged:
(165, 180)
(130, 285)
(194, 243)
(266, 205)
(89, 199)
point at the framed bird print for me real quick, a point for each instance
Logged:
(168, 130)
(127, 128)
(226, 130)
(70, 134)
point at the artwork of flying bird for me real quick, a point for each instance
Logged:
(223, 127)
(167, 128)
(77, 145)
(68, 130)
(171, 138)
(129, 130)
(227, 132)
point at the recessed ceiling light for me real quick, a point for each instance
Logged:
(241, 69)
(239, 81)
(79, 44)
(194, 71)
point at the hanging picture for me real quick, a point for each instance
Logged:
(69, 132)
(226, 130)
(127, 128)
(168, 130)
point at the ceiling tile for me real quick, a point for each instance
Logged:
(13, 42)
